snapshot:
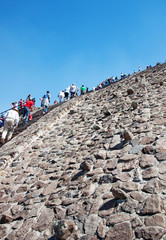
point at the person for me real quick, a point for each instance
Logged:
(41, 99)
(16, 105)
(45, 102)
(48, 95)
(13, 103)
(26, 110)
(29, 98)
(139, 69)
(20, 103)
(87, 89)
(83, 90)
(1, 122)
(56, 102)
(11, 120)
(99, 86)
(77, 91)
(61, 96)
(67, 91)
(72, 90)
(94, 88)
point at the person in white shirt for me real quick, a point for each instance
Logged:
(11, 120)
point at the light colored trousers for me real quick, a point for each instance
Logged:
(8, 128)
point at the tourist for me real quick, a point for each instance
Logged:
(21, 103)
(26, 110)
(45, 102)
(41, 99)
(29, 98)
(67, 91)
(72, 90)
(83, 90)
(48, 95)
(11, 120)
(61, 96)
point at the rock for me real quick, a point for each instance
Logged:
(89, 190)
(148, 150)
(137, 196)
(101, 230)
(110, 165)
(136, 149)
(134, 105)
(88, 237)
(118, 193)
(106, 179)
(155, 220)
(44, 220)
(91, 224)
(136, 221)
(150, 172)
(148, 161)
(64, 228)
(117, 218)
(162, 167)
(86, 165)
(161, 156)
(150, 233)
(151, 205)
(101, 154)
(147, 140)
(121, 231)
(127, 135)
(130, 206)
(130, 91)
(60, 212)
(107, 208)
(152, 186)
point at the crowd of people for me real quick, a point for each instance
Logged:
(9, 121)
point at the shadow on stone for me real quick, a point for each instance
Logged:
(108, 205)
(79, 174)
(120, 145)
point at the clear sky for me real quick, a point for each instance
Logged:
(50, 44)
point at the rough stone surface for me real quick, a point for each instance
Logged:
(94, 166)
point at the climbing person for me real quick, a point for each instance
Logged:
(67, 91)
(20, 103)
(11, 120)
(61, 96)
(41, 99)
(83, 90)
(45, 102)
(29, 98)
(72, 90)
(26, 110)
(1, 122)
(48, 95)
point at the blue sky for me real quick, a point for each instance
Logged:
(50, 44)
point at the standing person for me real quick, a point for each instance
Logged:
(26, 110)
(11, 120)
(61, 96)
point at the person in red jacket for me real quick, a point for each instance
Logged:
(27, 108)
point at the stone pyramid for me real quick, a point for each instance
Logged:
(92, 168)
